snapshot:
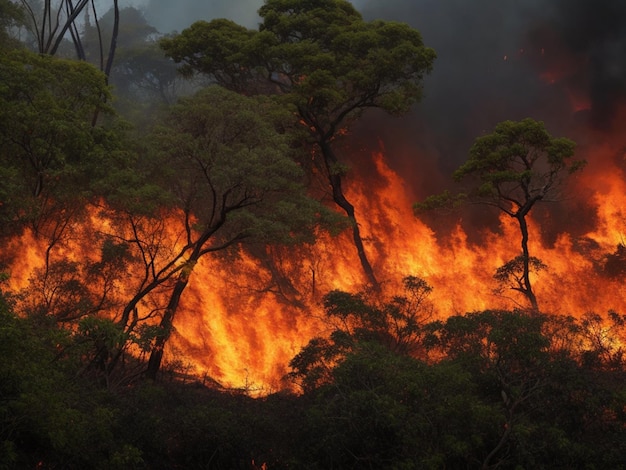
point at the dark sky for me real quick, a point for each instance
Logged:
(472, 86)
(502, 60)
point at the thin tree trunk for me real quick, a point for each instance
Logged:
(112, 49)
(528, 290)
(167, 322)
(340, 199)
(113, 44)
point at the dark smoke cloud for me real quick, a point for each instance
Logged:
(504, 60)
(480, 77)
(496, 60)
(473, 87)
(594, 32)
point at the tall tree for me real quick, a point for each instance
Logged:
(231, 179)
(326, 60)
(144, 79)
(517, 166)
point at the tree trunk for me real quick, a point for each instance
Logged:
(111, 55)
(527, 288)
(167, 322)
(339, 197)
(113, 44)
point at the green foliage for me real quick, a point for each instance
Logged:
(48, 417)
(519, 361)
(11, 16)
(443, 201)
(518, 164)
(334, 64)
(357, 321)
(328, 61)
(390, 411)
(514, 167)
(221, 157)
(222, 53)
(49, 147)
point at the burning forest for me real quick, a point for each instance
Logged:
(252, 247)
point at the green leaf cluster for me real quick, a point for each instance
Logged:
(520, 161)
(221, 156)
(49, 146)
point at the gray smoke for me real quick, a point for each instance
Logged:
(472, 87)
(169, 15)
(495, 60)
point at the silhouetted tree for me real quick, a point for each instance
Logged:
(517, 166)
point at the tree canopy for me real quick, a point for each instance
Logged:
(49, 143)
(228, 171)
(325, 60)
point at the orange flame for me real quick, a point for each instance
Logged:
(242, 321)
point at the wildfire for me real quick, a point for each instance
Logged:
(241, 337)
(244, 317)
(242, 320)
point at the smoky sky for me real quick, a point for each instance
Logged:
(169, 15)
(501, 60)
(491, 53)
(496, 60)
(494, 57)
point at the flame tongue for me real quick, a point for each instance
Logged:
(242, 336)
(242, 320)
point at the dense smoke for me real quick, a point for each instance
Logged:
(594, 33)
(560, 61)
(496, 60)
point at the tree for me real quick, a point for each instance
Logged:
(143, 78)
(326, 61)
(517, 166)
(384, 410)
(11, 16)
(49, 148)
(507, 352)
(50, 27)
(228, 175)
(550, 407)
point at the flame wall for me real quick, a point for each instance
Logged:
(561, 61)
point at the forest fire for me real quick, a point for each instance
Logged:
(243, 337)
(243, 319)
(245, 315)
(238, 327)
(355, 234)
